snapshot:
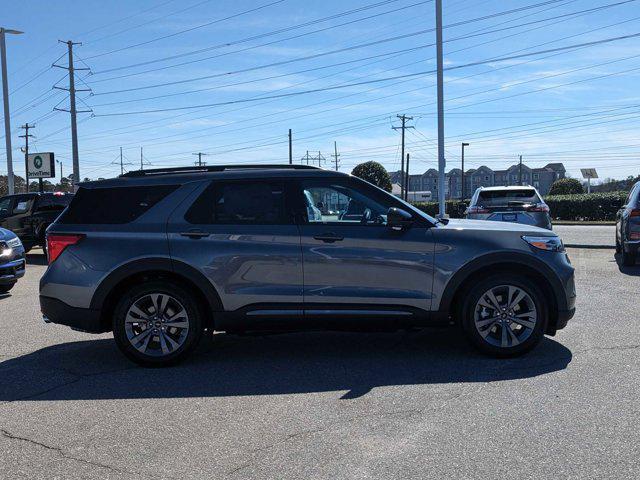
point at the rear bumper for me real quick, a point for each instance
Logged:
(631, 246)
(11, 271)
(83, 319)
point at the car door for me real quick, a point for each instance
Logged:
(352, 259)
(17, 221)
(241, 235)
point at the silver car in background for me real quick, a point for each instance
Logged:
(518, 204)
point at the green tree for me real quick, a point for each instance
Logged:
(374, 173)
(566, 186)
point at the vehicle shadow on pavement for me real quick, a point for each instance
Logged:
(36, 259)
(633, 270)
(233, 365)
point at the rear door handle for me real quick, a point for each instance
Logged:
(329, 238)
(195, 234)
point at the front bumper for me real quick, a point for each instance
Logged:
(83, 319)
(11, 271)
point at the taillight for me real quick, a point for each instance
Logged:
(634, 213)
(538, 207)
(477, 210)
(56, 243)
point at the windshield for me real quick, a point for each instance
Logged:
(488, 198)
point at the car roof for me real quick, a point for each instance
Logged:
(230, 172)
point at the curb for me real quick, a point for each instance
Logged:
(577, 245)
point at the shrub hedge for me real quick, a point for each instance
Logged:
(579, 207)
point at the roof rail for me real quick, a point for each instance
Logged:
(212, 168)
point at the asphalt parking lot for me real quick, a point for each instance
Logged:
(328, 405)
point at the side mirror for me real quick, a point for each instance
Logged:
(398, 219)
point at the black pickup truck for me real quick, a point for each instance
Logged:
(29, 214)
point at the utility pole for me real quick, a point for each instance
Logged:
(61, 176)
(120, 161)
(141, 161)
(320, 159)
(200, 163)
(336, 154)
(72, 108)
(403, 118)
(441, 160)
(5, 97)
(520, 169)
(462, 172)
(26, 137)
(290, 148)
(306, 157)
(406, 192)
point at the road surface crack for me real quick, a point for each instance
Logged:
(62, 453)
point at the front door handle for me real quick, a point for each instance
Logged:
(329, 238)
(195, 234)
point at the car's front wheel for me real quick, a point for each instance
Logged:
(628, 258)
(157, 323)
(505, 315)
(6, 288)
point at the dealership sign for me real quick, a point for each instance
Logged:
(41, 165)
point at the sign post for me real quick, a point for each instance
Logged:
(589, 173)
(41, 165)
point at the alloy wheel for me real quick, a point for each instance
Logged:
(505, 316)
(157, 324)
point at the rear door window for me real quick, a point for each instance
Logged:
(116, 205)
(494, 198)
(53, 202)
(22, 204)
(237, 203)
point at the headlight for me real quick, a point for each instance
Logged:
(5, 250)
(550, 244)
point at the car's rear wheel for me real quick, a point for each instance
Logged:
(157, 324)
(505, 315)
(628, 258)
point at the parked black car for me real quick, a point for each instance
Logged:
(29, 214)
(628, 227)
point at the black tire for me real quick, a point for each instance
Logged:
(618, 246)
(628, 258)
(6, 288)
(194, 318)
(473, 296)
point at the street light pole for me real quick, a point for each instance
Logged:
(441, 160)
(5, 97)
(462, 173)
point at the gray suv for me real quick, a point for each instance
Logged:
(161, 256)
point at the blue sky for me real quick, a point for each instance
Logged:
(182, 76)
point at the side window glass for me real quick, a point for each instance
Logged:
(336, 202)
(5, 204)
(22, 205)
(236, 203)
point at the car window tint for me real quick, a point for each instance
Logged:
(505, 197)
(231, 203)
(22, 205)
(117, 205)
(53, 202)
(5, 204)
(338, 202)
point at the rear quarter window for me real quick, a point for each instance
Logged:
(113, 206)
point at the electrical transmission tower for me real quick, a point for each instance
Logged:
(143, 161)
(308, 158)
(121, 161)
(336, 155)
(404, 177)
(71, 68)
(199, 162)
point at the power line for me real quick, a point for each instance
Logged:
(367, 82)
